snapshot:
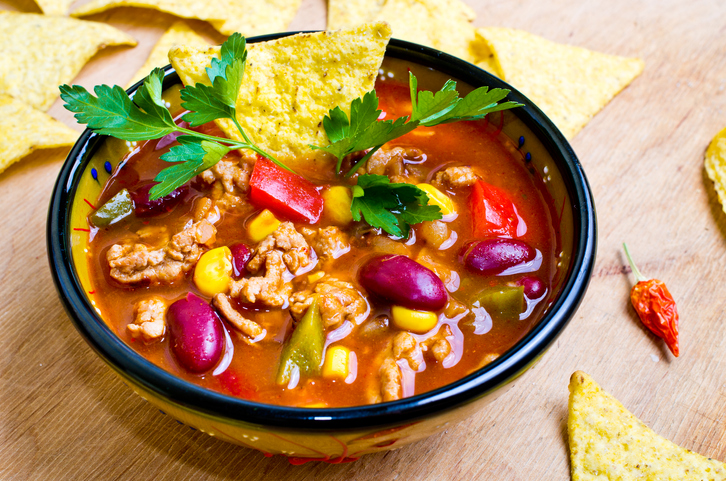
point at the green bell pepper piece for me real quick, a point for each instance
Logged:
(505, 301)
(304, 349)
(116, 208)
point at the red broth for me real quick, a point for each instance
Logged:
(475, 337)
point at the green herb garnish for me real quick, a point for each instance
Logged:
(364, 131)
(146, 117)
(391, 207)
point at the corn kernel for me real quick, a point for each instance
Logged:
(336, 362)
(214, 271)
(336, 208)
(316, 276)
(263, 225)
(436, 197)
(412, 320)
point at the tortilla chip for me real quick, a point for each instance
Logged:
(54, 7)
(441, 24)
(26, 129)
(608, 442)
(290, 84)
(715, 163)
(349, 13)
(178, 34)
(570, 84)
(248, 17)
(38, 53)
(213, 10)
(254, 17)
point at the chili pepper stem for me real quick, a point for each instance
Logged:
(638, 276)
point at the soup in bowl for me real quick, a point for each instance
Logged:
(253, 303)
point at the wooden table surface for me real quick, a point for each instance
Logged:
(65, 415)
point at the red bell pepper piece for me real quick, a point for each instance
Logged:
(285, 193)
(493, 213)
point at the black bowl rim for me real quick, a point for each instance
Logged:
(127, 362)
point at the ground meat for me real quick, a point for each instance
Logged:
(339, 301)
(329, 242)
(406, 347)
(230, 181)
(232, 173)
(390, 380)
(283, 250)
(224, 200)
(455, 177)
(272, 289)
(289, 243)
(454, 308)
(393, 164)
(437, 345)
(205, 209)
(250, 328)
(134, 263)
(149, 317)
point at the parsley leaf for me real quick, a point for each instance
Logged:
(445, 106)
(148, 97)
(431, 105)
(146, 117)
(391, 207)
(113, 113)
(217, 101)
(195, 155)
(204, 105)
(363, 130)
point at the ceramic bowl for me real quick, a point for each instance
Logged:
(334, 434)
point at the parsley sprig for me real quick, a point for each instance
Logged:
(392, 207)
(146, 117)
(363, 131)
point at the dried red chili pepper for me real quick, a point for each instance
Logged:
(655, 306)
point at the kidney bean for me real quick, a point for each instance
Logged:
(144, 207)
(240, 256)
(493, 256)
(195, 334)
(404, 282)
(534, 288)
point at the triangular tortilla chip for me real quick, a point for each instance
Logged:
(248, 17)
(54, 7)
(441, 24)
(178, 34)
(570, 84)
(715, 163)
(349, 13)
(608, 443)
(25, 129)
(38, 53)
(255, 17)
(211, 10)
(290, 84)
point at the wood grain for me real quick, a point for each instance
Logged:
(65, 415)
